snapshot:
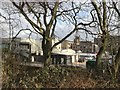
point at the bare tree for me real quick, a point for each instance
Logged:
(116, 63)
(102, 19)
(106, 13)
(46, 15)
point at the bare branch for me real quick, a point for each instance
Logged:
(21, 31)
(27, 18)
(98, 13)
(115, 7)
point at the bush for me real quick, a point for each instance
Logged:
(18, 76)
(52, 76)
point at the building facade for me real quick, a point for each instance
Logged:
(76, 45)
(36, 45)
(22, 50)
(86, 46)
(66, 44)
(112, 45)
(83, 46)
(58, 47)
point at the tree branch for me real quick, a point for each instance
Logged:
(54, 25)
(27, 18)
(98, 13)
(20, 31)
(38, 18)
(114, 5)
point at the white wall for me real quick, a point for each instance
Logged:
(77, 57)
(58, 47)
(73, 58)
(36, 45)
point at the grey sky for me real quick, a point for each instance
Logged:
(61, 29)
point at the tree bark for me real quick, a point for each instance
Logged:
(102, 19)
(46, 47)
(101, 51)
(116, 64)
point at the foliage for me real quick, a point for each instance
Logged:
(18, 76)
(52, 76)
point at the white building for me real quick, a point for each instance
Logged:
(36, 45)
(55, 40)
(71, 53)
(67, 54)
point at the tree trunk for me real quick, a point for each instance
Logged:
(116, 64)
(46, 46)
(102, 19)
(101, 51)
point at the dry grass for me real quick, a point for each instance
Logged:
(16, 76)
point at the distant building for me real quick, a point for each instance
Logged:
(76, 45)
(65, 57)
(22, 50)
(36, 45)
(86, 46)
(58, 47)
(9, 44)
(66, 44)
(112, 45)
(83, 46)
